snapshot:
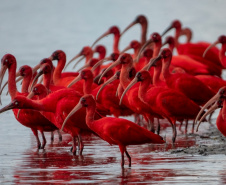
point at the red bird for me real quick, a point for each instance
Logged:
(185, 83)
(142, 20)
(170, 104)
(115, 131)
(193, 48)
(116, 32)
(29, 118)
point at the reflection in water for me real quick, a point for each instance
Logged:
(100, 163)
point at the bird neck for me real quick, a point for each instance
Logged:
(165, 68)
(12, 80)
(26, 83)
(157, 72)
(124, 76)
(47, 80)
(157, 47)
(116, 43)
(90, 112)
(144, 29)
(87, 86)
(143, 88)
(60, 66)
(89, 56)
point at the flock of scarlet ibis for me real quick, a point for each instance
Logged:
(153, 83)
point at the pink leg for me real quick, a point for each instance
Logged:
(73, 149)
(60, 136)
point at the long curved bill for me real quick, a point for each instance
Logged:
(79, 77)
(211, 109)
(100, 62)
(132, 83)
(29, 96)
(74, 110)
(83, 67)
(168, 29)
(7, 107)
(210, 102)
(117, 62)
(153, 62)
(128, 27)
(113, 78)
(147, 43)
(77, 56)
(102, 36)
(78, 62)
(36, 78)
(211, 46)
(125, 49)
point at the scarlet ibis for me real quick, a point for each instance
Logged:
(168, 103)
(116, 32)
(85, 52)
(221, 40)
(217, 101)
(192, 64)
(116, 131)
(193, 48)
(142, 20)
(185, 83)
(29, 118)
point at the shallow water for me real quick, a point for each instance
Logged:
(32, 30)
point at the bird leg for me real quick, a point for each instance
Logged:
(73, 149)
(186, 126)
(43, 140)
(127, 154)
(52, 137)
(60, 135)
(158, 126)
(181, 123)
(151, 126)
(35, 132)
(122, 150)
(80, 144)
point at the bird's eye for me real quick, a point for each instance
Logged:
(35, 89)
(6, 60)
(16, 103)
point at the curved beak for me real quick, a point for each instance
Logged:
(153, 62)
(100, 63)
(79, 77)
(77, 56)
(98, 39)
(117, 62)
(168, 29)
(132, 83)
(7, 107)
(83, 67)
(113, 78)
(34, 69)
(211, 109)
(2, 73)
(36, 78)
(211, 46)
(78, 62)
(128, 27)
(142, 49)
(210, 102)
(74, 110)
(125, 49)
